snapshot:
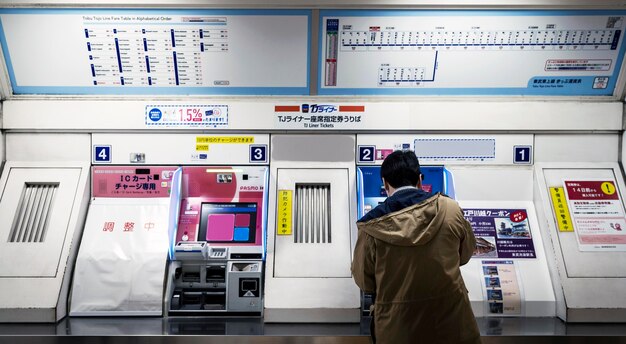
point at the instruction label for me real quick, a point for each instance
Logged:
(284, 212)
(224, 139)
(598, 214)
(561, 211)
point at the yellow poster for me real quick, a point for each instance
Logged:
(283, 225)
(561, 212)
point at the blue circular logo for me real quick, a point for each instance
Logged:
(155, 114)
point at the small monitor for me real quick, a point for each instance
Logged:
(228, 223)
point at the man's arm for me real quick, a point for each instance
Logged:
(363, 263)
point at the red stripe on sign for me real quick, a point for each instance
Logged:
(287, 108)
(351, 108)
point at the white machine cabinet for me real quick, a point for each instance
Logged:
(42, 209)
(589, 284)
(307, 277)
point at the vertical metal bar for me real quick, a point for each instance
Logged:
(313, 195)
(323, 213)
(318, 213)
(40, 209)
(19, 225)
(31, 229)
(309, 210)
(28, 213)
(302, 214)
(308, 215)
(47, 211)
(328, 214)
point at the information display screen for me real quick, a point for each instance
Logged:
(228, 222)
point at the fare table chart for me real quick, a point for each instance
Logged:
(83, 51)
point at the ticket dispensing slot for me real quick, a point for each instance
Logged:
(219, 242)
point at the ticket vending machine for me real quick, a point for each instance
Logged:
(219, 245)
(582, 207)
(508, 274)
(371, 191)
(123, 254)
(311, 230)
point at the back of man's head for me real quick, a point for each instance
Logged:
(401, 168)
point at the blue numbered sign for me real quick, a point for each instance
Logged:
(258, 153)
(101, 154)
(366, 153)
(522, 154)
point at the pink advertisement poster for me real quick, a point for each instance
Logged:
(131, 181)
(598, 214)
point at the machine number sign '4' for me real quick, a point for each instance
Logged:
(101, 154)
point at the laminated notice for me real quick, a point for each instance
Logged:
(284, 212)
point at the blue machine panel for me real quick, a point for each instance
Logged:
(370, 190)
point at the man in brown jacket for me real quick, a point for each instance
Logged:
(408, 253)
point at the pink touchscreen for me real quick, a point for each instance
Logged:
(220, 227)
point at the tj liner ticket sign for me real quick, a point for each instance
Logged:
(598, 214)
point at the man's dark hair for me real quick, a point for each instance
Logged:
(401, 168)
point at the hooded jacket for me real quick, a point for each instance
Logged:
(408, 253)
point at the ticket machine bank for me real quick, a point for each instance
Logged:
(261, 217)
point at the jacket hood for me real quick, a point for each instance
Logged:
(414, 225)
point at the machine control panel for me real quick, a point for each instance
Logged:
(218, 253)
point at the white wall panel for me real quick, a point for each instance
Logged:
(576, 148)
(473, 183)
(48, 147)
(385, 114)
(179, 148)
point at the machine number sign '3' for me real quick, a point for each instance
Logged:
(258, 153)
(101, 154)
